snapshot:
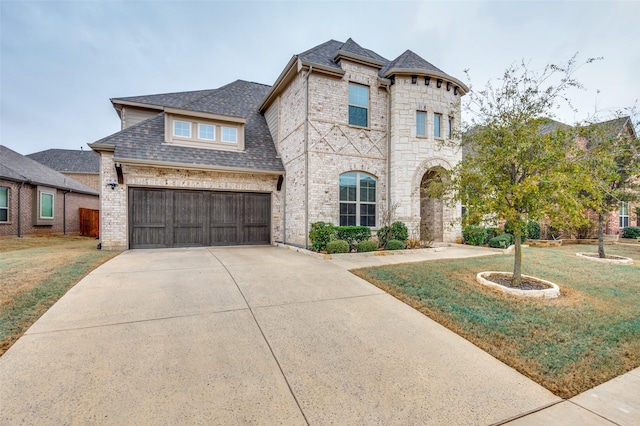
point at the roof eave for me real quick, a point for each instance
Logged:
(358, 58)
(430, 73)
(102, 147)
(200, 167)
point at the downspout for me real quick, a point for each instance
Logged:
(64, 211)
(388, 87)
(306, 163)
(20, 209)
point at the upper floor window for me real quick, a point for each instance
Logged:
(4, 204)
(437, 119)
(182, 129)
(207, 132)
(357, 199)
(229, 134)
(624, 214)
(358, 105)
(421, 123)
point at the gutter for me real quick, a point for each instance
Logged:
(64, 211)
(204, 168)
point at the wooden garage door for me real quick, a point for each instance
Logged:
(179, 218)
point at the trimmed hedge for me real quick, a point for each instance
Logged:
(501, 241)
(533, 230)
(320, 234)
(395, 245)
(474, 235)
(631, 232)
(353, 234)
(397, 231)
(337, 246)
(369, 245)
(493, 232)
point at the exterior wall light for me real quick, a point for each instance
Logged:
(113, 185)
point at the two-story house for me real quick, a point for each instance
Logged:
(343, 135)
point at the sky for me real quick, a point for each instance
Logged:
(61, 61)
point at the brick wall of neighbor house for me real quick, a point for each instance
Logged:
(291, 148)
(335, 147)
(412, 156)
(74, 201)
(114, 217)
(92, 180)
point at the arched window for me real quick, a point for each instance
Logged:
(357, 199)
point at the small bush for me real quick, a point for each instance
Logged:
(493, 232)
(533, 230)
(413, 243)
(501, 241)
(395, 245)
(320, 234)
(631, 232)
(369, 245)
(353, 234)
(337, 246)
(397, 231)
(509, 229)
(474, 235)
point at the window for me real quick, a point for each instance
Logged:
(450, 127)
(358, 105)
(357, 199)
(46, 205)
(421, 127)
(4, 204)
(229, 134)
(182, 129)
(207, 132)
(624, 214)
(437, 119)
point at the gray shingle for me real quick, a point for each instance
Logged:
(19, 168)
(409, 60)
(145, 140)
(172, 100)
(68, 160)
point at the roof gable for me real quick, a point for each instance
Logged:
(17, 167)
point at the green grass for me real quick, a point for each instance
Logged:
(589, 335)
(70, 259)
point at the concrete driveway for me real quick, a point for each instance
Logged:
(257, 335)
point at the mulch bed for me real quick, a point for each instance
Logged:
(527, 283)
(607, 256)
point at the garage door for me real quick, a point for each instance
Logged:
(160, 218)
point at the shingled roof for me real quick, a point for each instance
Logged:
(68, 160)
(17, 167)
(145, 141)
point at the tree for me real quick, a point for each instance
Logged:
(612, 154)
(520, 165)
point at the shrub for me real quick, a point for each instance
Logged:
(413, 243)
(474, 235)
(320, 234)
(533, 230)
(368, 245)
(397, 231)
(395, 245)
(337, 246)
(631, 232)
(509, 229)
(353, 234)
(493, 232)
(501, 241)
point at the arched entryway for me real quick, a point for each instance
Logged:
(431, 209)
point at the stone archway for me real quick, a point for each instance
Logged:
(431, 209)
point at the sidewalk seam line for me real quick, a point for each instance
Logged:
(527, 413)
(593, 412)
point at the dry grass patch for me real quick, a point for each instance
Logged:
(589, 335)
(36, 272)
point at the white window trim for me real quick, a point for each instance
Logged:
(624, 208)
(368, 107)
(189, 125)
(7, 206)
(424, 114)
(439, 136)
(229, 128)
(53, 205)
(195, 141)
(357, 201)
(214, 132)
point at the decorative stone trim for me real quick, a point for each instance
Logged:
(620, 260)
(549, 293)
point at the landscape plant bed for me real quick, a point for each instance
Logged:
(569, 345)
(609, 258)
(36, 272)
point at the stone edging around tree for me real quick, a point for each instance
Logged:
(620, 260)
(549, 293)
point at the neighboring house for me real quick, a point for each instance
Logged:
(35, 199)
(83, 166)
(343, 135)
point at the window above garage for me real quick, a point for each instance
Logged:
(203, 130)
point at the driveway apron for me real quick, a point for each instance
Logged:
(248, 335)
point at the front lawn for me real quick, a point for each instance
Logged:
(589, 335)
(36, 272)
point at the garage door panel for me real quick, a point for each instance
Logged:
(184, 218)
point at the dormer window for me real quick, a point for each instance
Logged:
(229, 134)
(206, 132)
(182, 129)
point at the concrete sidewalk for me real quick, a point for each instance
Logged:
(260, 335)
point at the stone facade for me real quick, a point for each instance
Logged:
(114, 232)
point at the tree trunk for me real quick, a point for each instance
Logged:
(601, 254)
(516, 281)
